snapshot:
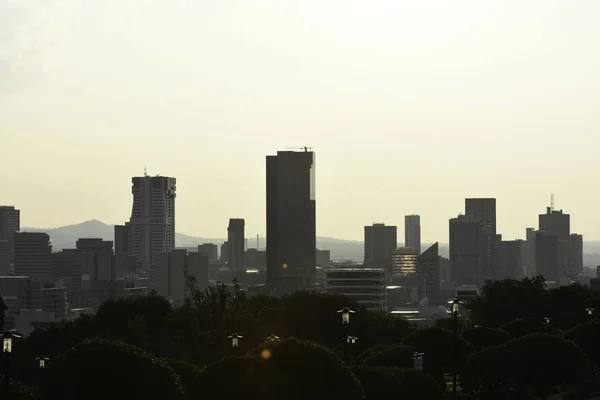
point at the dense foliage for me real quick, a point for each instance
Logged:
(156, 350)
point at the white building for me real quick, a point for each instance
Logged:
(365, 285)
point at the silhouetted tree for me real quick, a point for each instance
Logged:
(525, 326)
(370, 351)
(99, 369)
(394, 356)
(586, 337)
(509, 299)
(481, 337)
(418, 385)
(378, 383)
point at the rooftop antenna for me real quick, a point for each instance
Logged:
(552, 202)
(145, 171)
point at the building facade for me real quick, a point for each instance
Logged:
(291, 221)
(412, 232)
(236, 240)
(10, 224)
(33, 256)
(428, 272)
(152, 218)
(380, 243)
(468, 251)
(365, 285)
(485, 210)
(546, 256)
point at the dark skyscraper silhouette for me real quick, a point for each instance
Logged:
(485, 210)
(559, 224)
(236, 240)
(291, 221)
(33, 256)
(380, 243)
(10, 224)
(468, 245)
(152, 218)
(546, 256)
(412, 232)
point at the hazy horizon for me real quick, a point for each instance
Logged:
(409, 106)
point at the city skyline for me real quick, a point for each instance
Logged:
(376, 89)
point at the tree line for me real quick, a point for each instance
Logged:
(521, 341)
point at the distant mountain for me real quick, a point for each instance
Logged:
(65, 237)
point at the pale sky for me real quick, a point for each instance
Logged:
(411, 106)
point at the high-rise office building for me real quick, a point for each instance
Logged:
(528, 253)
(224, 252)
(509, 265)
(404, 263)
(152, 218)
(33, 256)
(291, 221)
(10, 224)
(380, 243)
(412, 232)
(575, 254)
(468, 251)
(211, 250)
(428, 272)
(546, 256)
(123, 239)
(485, 210)
(559, 224)
(236, 240)
(98, 258)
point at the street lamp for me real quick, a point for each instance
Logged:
(7, 346)
(418, 358)
(346, 312)
(455, 308)
(548, 320)
(42, 361)
(351, 339)
(235, 340)
(590, 310)
(273, 338)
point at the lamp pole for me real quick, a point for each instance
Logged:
(455, 307)
(346, 312)
(7, 344)
(235, 340)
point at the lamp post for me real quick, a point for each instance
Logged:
(235, 340)
(7, 346)
(455, 308)
(548, 320)
(418, 358)
(346, 313)
(590, 311)
(42, 362)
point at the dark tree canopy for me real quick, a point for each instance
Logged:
(378, 383)
(98, 369)
(437, 344)
(481, 337)
(507, 300)
(586, 336)
(417, 385)
(536, 361)
(370, 351)
(394, 356)
(287, 369)
(525, 326)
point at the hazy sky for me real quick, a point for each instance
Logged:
(411, 106)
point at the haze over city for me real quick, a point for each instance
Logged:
(409, 106)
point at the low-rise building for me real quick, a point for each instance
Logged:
(365, 285)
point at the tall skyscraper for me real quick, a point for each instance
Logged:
(509, 259)
(152, 218)
(236, 240)
(291, 221)
(559, 224)
(528, 253)
(575, 254)
(428, 271)
(33, 256)
(468, 251)
(10, 224)
(485, 210)
(381, 242)
(412, 232)
(546, 256)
